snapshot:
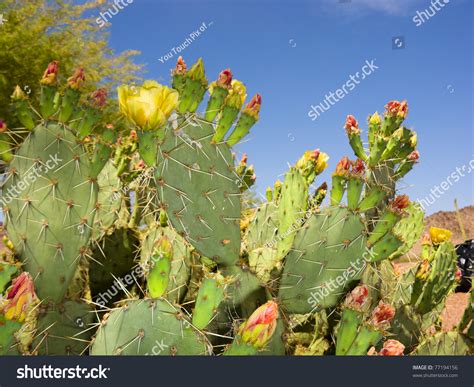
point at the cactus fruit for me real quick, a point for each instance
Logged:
(160, 248)
(210, 295)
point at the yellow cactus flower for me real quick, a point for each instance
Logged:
(375, 119)
(440, 235)
(149, 105)
(237, 94)
(322, 162)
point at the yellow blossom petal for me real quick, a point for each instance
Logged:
(439, 235)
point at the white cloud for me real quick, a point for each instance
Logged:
(391, 7)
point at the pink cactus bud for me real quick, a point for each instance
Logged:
(397, 109)
(3, 126)
(253, 107)
(225, 79)
(77, 79)
(351, 125)
(99, 98)
(392, 348)
(180, 68)
(382, 315)
(260, 326)
(414, 156)
(50, 74)
(19, 298)
(343, 166)
(358, 297)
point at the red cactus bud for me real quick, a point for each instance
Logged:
(392, 348)
(77, 79)
(397, 109)
(260, 326)
(253, 107)
(3, 126)
(382, 315)
(351, 125)
(399, 203)
(99, 97)
(358, 297)
(243, 160)
(358, 167)
(225, 79)
(343, 166)
(49, 76)
(180, 68)
(19, 298)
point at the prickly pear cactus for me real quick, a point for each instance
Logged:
(50, 217)
(141, 236)
(63, 329)
(324, 249)
(199, 189)
(444, 344)
(148, 327)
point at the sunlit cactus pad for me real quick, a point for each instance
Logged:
(198, 188)
(50, 221)
(148, 327)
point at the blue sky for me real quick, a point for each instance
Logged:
(294, 52)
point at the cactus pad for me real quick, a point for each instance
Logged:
(50, 220)
(148, 327)
(199, 189)
(326, 249)
(63, 329)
